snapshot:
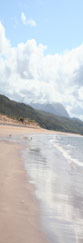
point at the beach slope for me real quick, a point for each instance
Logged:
(19, 210)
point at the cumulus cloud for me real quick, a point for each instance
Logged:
(26, 21)
(4, 43)
(27, 75)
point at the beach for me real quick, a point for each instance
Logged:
(19, 209)
(41, 185)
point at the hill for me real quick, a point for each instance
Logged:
(63, 124)
(15, 109)
(54, 108)
(46, 120)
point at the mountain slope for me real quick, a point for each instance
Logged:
(15, 109)
(63, 124)
(46, 120)
(54, 108)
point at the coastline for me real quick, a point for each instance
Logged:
(7, 129)
(19, 209)
(58, 180)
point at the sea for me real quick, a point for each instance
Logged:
(54, 164)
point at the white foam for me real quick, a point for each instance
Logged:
(66, 152)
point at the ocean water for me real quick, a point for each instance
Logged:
(55, 166)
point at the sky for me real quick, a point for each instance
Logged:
(41, 52)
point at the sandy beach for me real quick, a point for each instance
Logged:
(22, 218)
(19, 209)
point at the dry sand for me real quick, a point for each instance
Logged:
(19, 209)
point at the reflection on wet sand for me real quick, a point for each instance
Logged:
(59, 186)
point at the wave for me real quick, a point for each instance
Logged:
(65, 152)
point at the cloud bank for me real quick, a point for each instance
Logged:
(26, 74)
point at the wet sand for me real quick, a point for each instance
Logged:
(59, 187)
(19, 209)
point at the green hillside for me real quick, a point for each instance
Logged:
(63, 124)
(16, 110)
(46, 120)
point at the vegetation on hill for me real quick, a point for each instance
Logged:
(46, 120)
(63, 124)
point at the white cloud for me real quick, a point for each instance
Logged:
(23, 18)
(26, 74)
(26, 21)
(4, 43)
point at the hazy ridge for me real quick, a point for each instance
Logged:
(54, 108)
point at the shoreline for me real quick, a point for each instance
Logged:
(13, 129)
(19, 208)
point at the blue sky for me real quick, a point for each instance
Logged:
(58, 22)
(41, 52)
